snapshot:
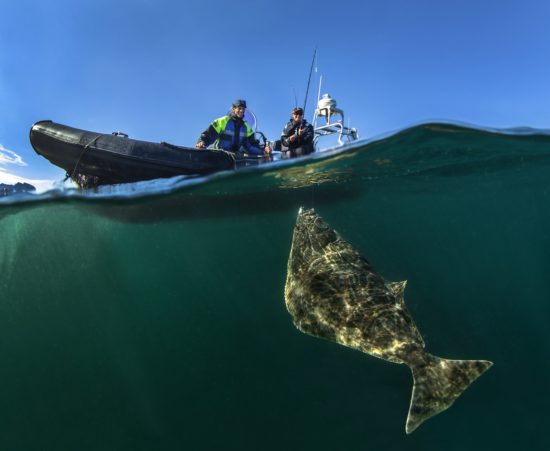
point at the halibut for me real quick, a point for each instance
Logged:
(332, 292)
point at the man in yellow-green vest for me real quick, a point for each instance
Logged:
(231, 132)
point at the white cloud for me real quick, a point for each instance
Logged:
(10, 157)
(12, 179)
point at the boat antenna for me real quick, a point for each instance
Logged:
(319, 91)
(318, 98)
(309, 79)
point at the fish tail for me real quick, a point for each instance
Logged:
(437, 383)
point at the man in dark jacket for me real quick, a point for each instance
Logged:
(231, 132)
(297, 136)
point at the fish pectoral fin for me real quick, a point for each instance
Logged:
(398, 290)
(438, 384)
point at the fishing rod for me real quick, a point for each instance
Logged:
(309, 79)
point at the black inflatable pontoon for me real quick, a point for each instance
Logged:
(93, 159)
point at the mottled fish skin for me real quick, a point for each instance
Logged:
(332, 292)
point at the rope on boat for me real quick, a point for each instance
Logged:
(93, 141)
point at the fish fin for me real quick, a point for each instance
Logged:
(398, 290)
(437, 385)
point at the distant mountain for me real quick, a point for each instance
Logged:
(18, 188)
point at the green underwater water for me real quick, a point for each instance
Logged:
(159, 322)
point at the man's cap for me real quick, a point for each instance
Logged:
(239, 102)
(297, 110)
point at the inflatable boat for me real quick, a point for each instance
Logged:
(92, 159)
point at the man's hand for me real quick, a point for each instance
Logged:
(267, 149)
(200, 145)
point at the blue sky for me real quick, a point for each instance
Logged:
(162, 70)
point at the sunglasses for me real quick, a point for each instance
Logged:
(297, 114)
